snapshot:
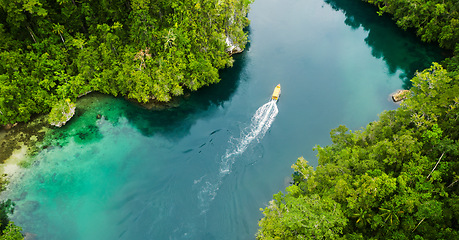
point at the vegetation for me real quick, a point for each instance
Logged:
(52, 50)
(6, 207)
(398, 177)
(61, 112)
(7, 228)
(434, 20)
(12, 232)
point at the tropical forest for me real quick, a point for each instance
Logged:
(153, 119)
(398, 177)
(54, 51)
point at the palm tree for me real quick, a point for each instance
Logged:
(59, 29)
(390, 214)
(363, 217)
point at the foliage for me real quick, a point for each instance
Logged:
(434, 20)
(398, 177)
(6, 207)
(395, 179)
(12, 232)
(61, 112)
(143, 49)
(302, 217)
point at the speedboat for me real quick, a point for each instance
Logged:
(276, 93)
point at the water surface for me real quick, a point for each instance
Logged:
(161, 174)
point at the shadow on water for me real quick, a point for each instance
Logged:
(176, 121)
(401, 50)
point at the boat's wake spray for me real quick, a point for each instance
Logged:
(261, 122)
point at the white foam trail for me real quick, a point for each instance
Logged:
(261, 122)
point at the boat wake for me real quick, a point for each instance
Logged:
(260, 124)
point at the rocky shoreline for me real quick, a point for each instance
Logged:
(400, 95)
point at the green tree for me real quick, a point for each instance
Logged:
(392, 180)
(294, 216)
(59, 29)
(6, 208)
(12, 232)
(148, 50)
(61, 112)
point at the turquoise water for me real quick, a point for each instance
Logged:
(187, 172)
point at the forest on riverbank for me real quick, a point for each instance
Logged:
(398, 177)
(51, 52)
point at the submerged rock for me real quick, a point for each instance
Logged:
(29, 206)
(30, 236)
(400, 95)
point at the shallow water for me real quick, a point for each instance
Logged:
(166, 174)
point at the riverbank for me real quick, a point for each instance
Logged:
(112, 59)
(25, 140)
(22, 139)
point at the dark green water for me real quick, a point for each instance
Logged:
(169, 174)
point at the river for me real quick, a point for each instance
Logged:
(197, 170)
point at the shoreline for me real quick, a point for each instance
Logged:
(18, 144)
(23, 135)
(24, 140)
(29, 134)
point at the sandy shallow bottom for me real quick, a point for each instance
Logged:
(11, 165)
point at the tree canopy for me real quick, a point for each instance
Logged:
(53, 50)
(398, 177)
(395, 179)
(8, 230)
(434, 20)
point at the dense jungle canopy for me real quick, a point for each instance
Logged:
(52, 51)
(398, 177)
(434, 20)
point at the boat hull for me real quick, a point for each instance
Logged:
(276, 93)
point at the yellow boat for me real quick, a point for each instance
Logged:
(277, 92)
